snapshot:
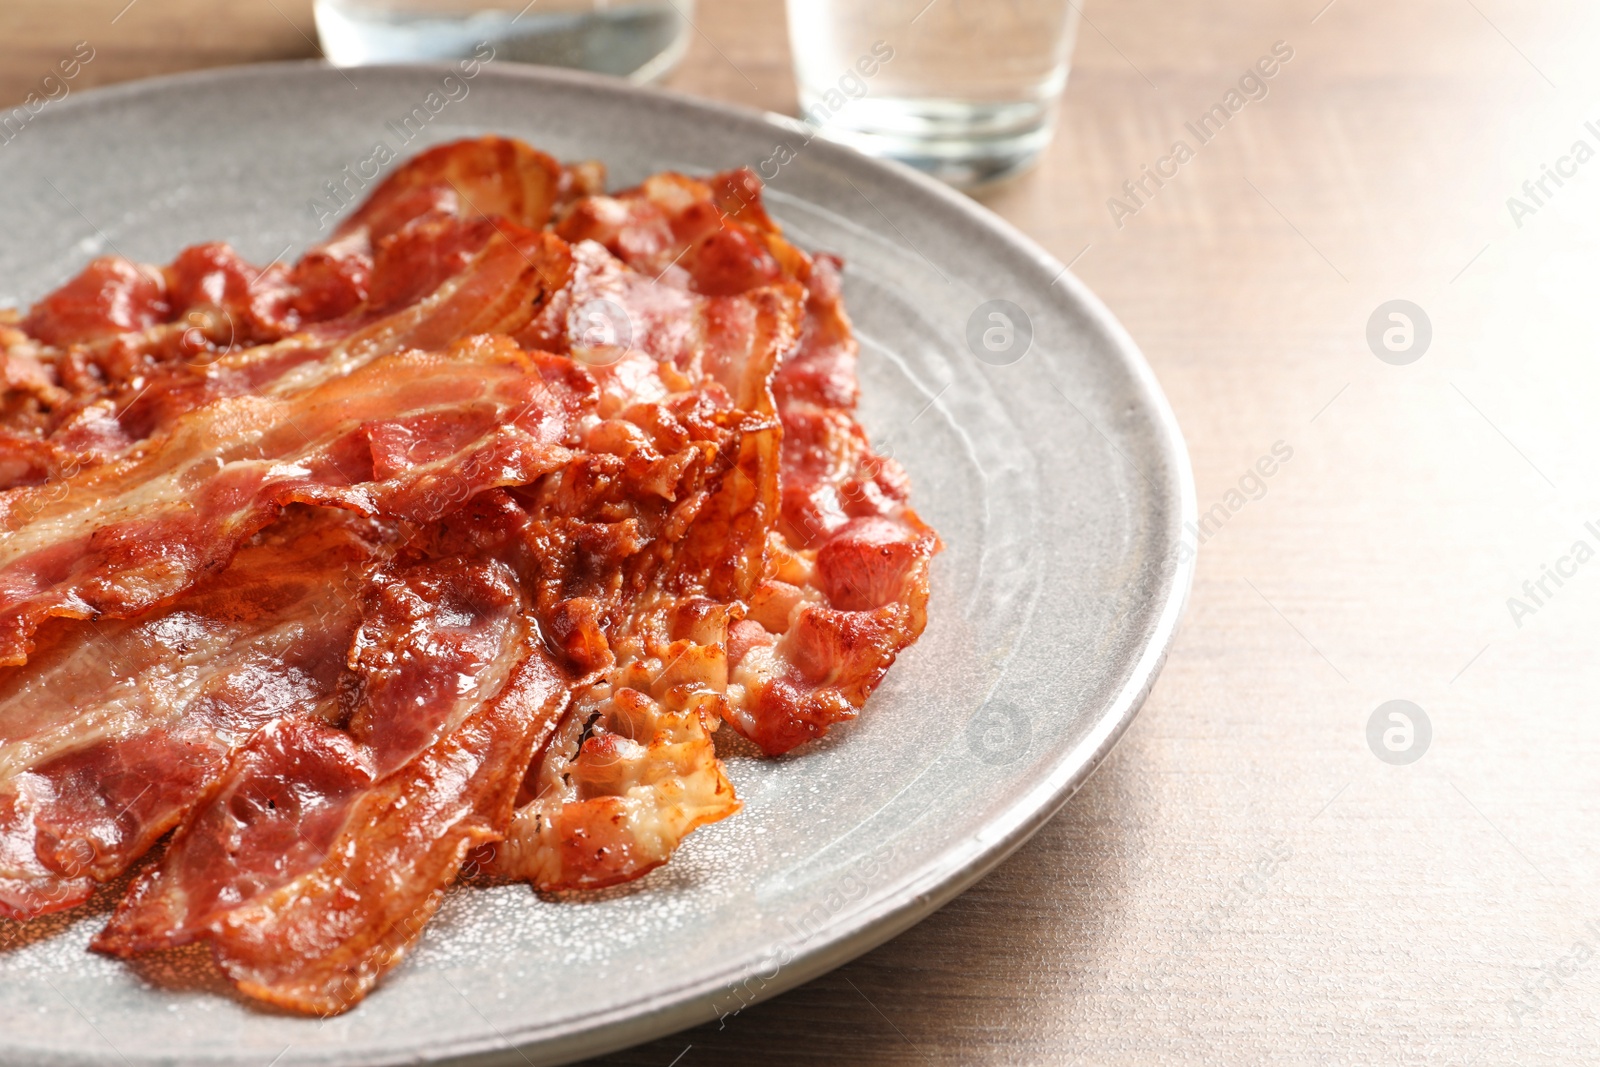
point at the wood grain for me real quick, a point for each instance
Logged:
(1244, 881)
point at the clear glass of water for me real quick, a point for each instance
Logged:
(965, 90)
(637, 39)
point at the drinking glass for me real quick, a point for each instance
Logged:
(637, 39)
(963, 89)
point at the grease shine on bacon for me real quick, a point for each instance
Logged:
(378, 570)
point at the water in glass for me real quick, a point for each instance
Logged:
(963, 89)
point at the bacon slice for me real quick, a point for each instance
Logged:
(118, 322)
(712, 236)
(437, 640)
(497, 291)
(411, 436)
(341, 831)
(486, 177)
(851, 587)
(113, 731)
(320, 942)
(310, 875)
(694, 341)
(120, 328)
(850, 575)
(634, 769)
(122, 332)
(114, 395)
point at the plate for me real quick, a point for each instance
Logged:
(1038, 443)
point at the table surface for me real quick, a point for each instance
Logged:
(1244, 880)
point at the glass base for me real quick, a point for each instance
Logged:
(968, 145)
(640, 41)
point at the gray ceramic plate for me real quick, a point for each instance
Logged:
(1059, 482)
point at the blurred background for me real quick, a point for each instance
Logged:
(1257, 875)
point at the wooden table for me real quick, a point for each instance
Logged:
(1245, 880)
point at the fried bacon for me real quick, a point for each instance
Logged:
(439, 553)
(410, 436)
(115, 729)
(237, 873)
(310, 874)
(848, 579)
(851, 586)
(633, 768)
(325, 846)
(318, 943)
(123, 335)
(76, 408)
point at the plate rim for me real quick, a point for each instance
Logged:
(958, 867)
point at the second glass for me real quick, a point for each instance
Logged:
(963, 90)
